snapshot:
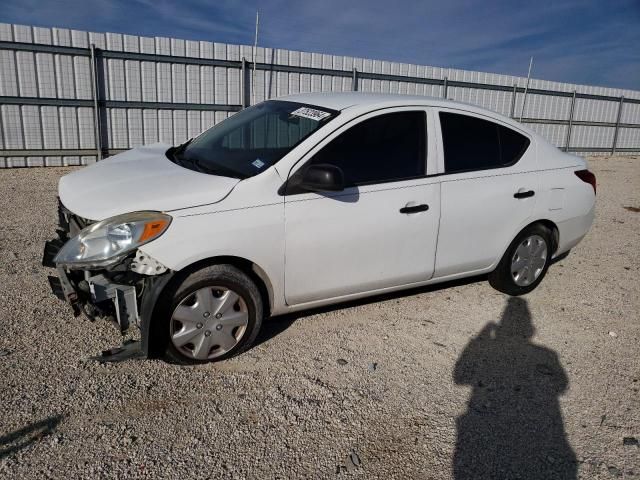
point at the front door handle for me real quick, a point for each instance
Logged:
(410, 208)
(522, 193)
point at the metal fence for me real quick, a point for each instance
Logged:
(69, 97)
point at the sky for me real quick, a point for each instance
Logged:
(588, 42)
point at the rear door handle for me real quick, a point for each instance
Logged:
(522, 193)
(410, 208)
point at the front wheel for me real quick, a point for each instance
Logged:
(215, 313)
(525, 262)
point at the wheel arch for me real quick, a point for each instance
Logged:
(159, 284)
(553, 228)
(542, 221)
(554, 231)
(500, 277)
(254, 271)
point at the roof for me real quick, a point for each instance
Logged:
(342, 100)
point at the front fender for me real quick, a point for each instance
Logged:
(154, 286)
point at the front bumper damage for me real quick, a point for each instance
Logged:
(125, 293)
(95, 302)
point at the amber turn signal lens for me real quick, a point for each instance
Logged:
(153, 229)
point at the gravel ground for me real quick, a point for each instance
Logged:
(443, 382)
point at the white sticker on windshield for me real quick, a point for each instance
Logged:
(310, 113)
(257, 163)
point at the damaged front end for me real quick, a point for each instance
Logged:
(100, 270)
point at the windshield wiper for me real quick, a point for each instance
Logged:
(180, 149)
(175, 153)
(217, 170)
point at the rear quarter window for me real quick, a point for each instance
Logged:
(471, 143)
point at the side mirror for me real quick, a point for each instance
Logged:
(322, 177)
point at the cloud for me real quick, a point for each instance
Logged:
(572, 41)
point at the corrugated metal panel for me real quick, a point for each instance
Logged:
(12, 126)
(150, 126)
(165, 126)
(135, 128)
(31, 126)
(68, 76)
(586, 137)
(8, 74)
(86, 128)
(556, 134)
(628, 138)
(596, 110)
(630, 113)
(51, 127)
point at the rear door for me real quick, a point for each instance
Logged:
(489, 187)
(381, 230)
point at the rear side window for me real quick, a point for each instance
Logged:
(385, 148)
(471, 143)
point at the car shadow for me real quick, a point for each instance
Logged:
(513, 425)
(22, 438)
(274, 326)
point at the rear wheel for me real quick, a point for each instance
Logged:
(525, 262)
(214, 314)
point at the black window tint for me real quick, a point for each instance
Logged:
(471, 143)
(384, 148)
(512, 145)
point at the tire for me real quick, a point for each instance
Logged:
(518, 276)
(215, 313)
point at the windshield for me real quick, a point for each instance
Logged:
(252, 140)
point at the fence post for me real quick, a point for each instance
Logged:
(245, 81)
(567, 141)
(446, 87)
(615, 132)
(354, 80)
(96, 107)
(513, 100)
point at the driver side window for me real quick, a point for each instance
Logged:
(386, 148)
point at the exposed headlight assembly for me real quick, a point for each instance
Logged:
(109, 241)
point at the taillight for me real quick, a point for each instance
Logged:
(587, 177)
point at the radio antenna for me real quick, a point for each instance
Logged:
(524, 99)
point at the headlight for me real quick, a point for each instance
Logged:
(107, 242)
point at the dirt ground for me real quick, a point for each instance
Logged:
(455, 381)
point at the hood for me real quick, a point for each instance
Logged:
(139, 179)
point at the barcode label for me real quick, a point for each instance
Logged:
(310, 113)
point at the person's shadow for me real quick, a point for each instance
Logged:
(512, 428)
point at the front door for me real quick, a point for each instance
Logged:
(380, 231)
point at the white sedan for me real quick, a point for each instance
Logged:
(310, 200)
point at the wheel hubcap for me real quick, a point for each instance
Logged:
(209, 322)
(529, 260)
